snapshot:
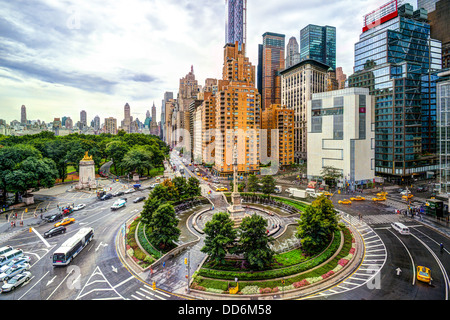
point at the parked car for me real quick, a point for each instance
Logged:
(14, 270)
(106, 197)
(15, 261)
(16, 281)
(55, 231)
(118, 194)
(53, 217)
(79, 207)
(139, 199)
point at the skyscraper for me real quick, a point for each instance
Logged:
(23, 115)
(236, 21)
(395, 51)
(273, 61)
(318, 43)
(440, 28)
(429, 5)
(292, 52)
(83, 119)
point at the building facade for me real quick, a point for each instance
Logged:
(273, 61)
(23, 115)
(292, 52)
(393, 54)
(110, 125)
(340, 135)
(443, 130)
(236, 21)
(277, 124)
(298, 83)
(440, 28)
(318, 43)
(237, 113)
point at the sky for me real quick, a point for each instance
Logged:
(58, 57)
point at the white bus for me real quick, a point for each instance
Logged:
(71, 247)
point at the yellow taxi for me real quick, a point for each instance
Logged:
(327, 194)
(345, 201)
(379, 199)
(409, 196)
(64, 222)
(423, 274)
(221, 189)
(205, 178)
(382, 194)
(357, 198)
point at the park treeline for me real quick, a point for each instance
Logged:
(31, 162)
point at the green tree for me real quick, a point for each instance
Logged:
(138, 159)
(254, 242)
(180, 185)
(220, 237)
(268, 185)
(331, 175)
(116, 151)
(151, 205)
(317, 225)
(253, 183)
(193, 187)
(164, 227)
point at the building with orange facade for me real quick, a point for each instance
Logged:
(277, 124)
(237, 115)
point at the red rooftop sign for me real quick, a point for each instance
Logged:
(383, 14)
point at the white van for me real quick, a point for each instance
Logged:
(5, 249)
(5, 258)
(400, 228)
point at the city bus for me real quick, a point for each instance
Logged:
(72, 247)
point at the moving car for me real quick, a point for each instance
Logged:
(15, 261)
(118, 194)
(328, 194)
(379, 199)
(423, 274)
(119, 204)
(409, 196)
(79, 207)
(64, 222)
(139, 199)
(53, 217)
(55, 231)
(106, 197)
(130, 191)
(345, 201)
(357, 198)
(221, 189)
(16, 281)
(14, 270)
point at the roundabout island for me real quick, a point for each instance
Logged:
(271, 263)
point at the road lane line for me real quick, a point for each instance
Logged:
(33, 285)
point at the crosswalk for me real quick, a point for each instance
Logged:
(368, 272)
(148, 293)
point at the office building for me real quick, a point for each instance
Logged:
(273, 61)
(440, 28)
(443, 129)
(236, 22)
(394, 52)
(340, 135)
(23, 115)
(292, 52)
(298, 83)
(429, 5)
(167, 96)
(341, 78)
(318, 43)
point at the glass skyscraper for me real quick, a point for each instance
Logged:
(392, 58)
(235, 21)
(318, 43)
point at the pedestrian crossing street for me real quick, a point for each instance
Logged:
(377, 219)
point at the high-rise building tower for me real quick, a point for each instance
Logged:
(292, 52)
(238, 115)
(236, 21)
(318, 43)
(83, 119)
(429, 5)
(393, 54)
(23, 115)
(440, 28)
(154, 113)
(273, 61)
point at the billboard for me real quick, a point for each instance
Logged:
(383, 14)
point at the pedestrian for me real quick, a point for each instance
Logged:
(442, 247)
(6, 217)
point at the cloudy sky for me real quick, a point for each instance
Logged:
(59, 57)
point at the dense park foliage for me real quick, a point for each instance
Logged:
(31, 162)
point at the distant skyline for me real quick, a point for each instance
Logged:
(58, 57)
